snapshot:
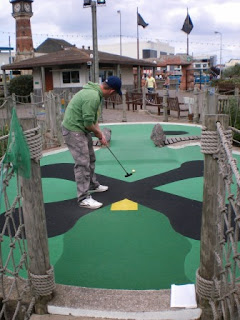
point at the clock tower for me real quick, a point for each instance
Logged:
(22, 12)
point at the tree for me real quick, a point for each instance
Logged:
(232, 72)
(21, 85)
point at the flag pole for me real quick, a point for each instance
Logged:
(137, 37)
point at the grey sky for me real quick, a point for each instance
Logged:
(67, 19)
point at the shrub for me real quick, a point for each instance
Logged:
(234, 116)
(21, 85)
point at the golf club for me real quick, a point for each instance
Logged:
(127, 174)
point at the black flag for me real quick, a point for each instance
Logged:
(141, 22)
(188, 25)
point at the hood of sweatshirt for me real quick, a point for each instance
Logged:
(93, 86)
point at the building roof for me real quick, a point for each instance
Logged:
(181, 59)
(53, 45)
(6, 49)
(74, 56)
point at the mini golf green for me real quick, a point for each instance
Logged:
(146, 236)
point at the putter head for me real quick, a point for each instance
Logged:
(128, 175)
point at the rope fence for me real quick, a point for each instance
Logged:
(218, 277)
(21, 285)
(15, 286)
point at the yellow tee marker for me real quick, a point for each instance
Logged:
(124, 205)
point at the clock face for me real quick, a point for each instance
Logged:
(27, 7)
(17, 7)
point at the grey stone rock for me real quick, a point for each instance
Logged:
(158, 136)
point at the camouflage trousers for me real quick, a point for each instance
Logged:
(81, 147)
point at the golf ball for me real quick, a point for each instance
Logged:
(133, 170)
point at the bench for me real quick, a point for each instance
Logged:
(129, 100)
(137, 100)
(152, 99)
(157, 101)
(113, 99)
(175, 105)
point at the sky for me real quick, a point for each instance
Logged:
(68, 20)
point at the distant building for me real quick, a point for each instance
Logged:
(71, 69)
(6, 57)
(232, 63)
(203, 63)
(147, 49)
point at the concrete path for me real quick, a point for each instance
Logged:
(70, 303)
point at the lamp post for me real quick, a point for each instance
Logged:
(120, 32)
(88, 3)
(217, 32)
(95, 43)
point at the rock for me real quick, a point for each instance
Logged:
(158, 136)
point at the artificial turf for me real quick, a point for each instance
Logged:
(146, 236)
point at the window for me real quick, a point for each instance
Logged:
(104, 74)
(70, 77)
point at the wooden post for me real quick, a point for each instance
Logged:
(35, 222)
(47, 108)
(14, 101)
(100, 119)
(196, 106)
(236, 93)
(124, 118)
(165, 105)
(9, 108)
(212, 102)
(5, 84)
(59, 118)
(139, 79)
(43, 81)
(209, 213)
(144, 98)
(118, 70)
(33, 105)
(53, 120)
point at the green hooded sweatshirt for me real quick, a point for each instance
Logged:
(83, 109)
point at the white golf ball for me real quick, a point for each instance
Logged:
(133, 170)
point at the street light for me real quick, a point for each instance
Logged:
(120, 32)
(217, 32)
(93, 5)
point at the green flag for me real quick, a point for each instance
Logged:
(17, 149)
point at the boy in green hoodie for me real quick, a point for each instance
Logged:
(80, 119)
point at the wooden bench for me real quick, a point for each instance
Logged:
(152, 99)
(137, 100)
(157, 101)
(113, 99)
(175, 105)
(129, 99)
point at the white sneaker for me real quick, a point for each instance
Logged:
(100, 188)
(90, 203)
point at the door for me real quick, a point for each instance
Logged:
(48, 80)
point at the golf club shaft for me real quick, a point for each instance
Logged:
(117, 159)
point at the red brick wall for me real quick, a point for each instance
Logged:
(24, 42)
